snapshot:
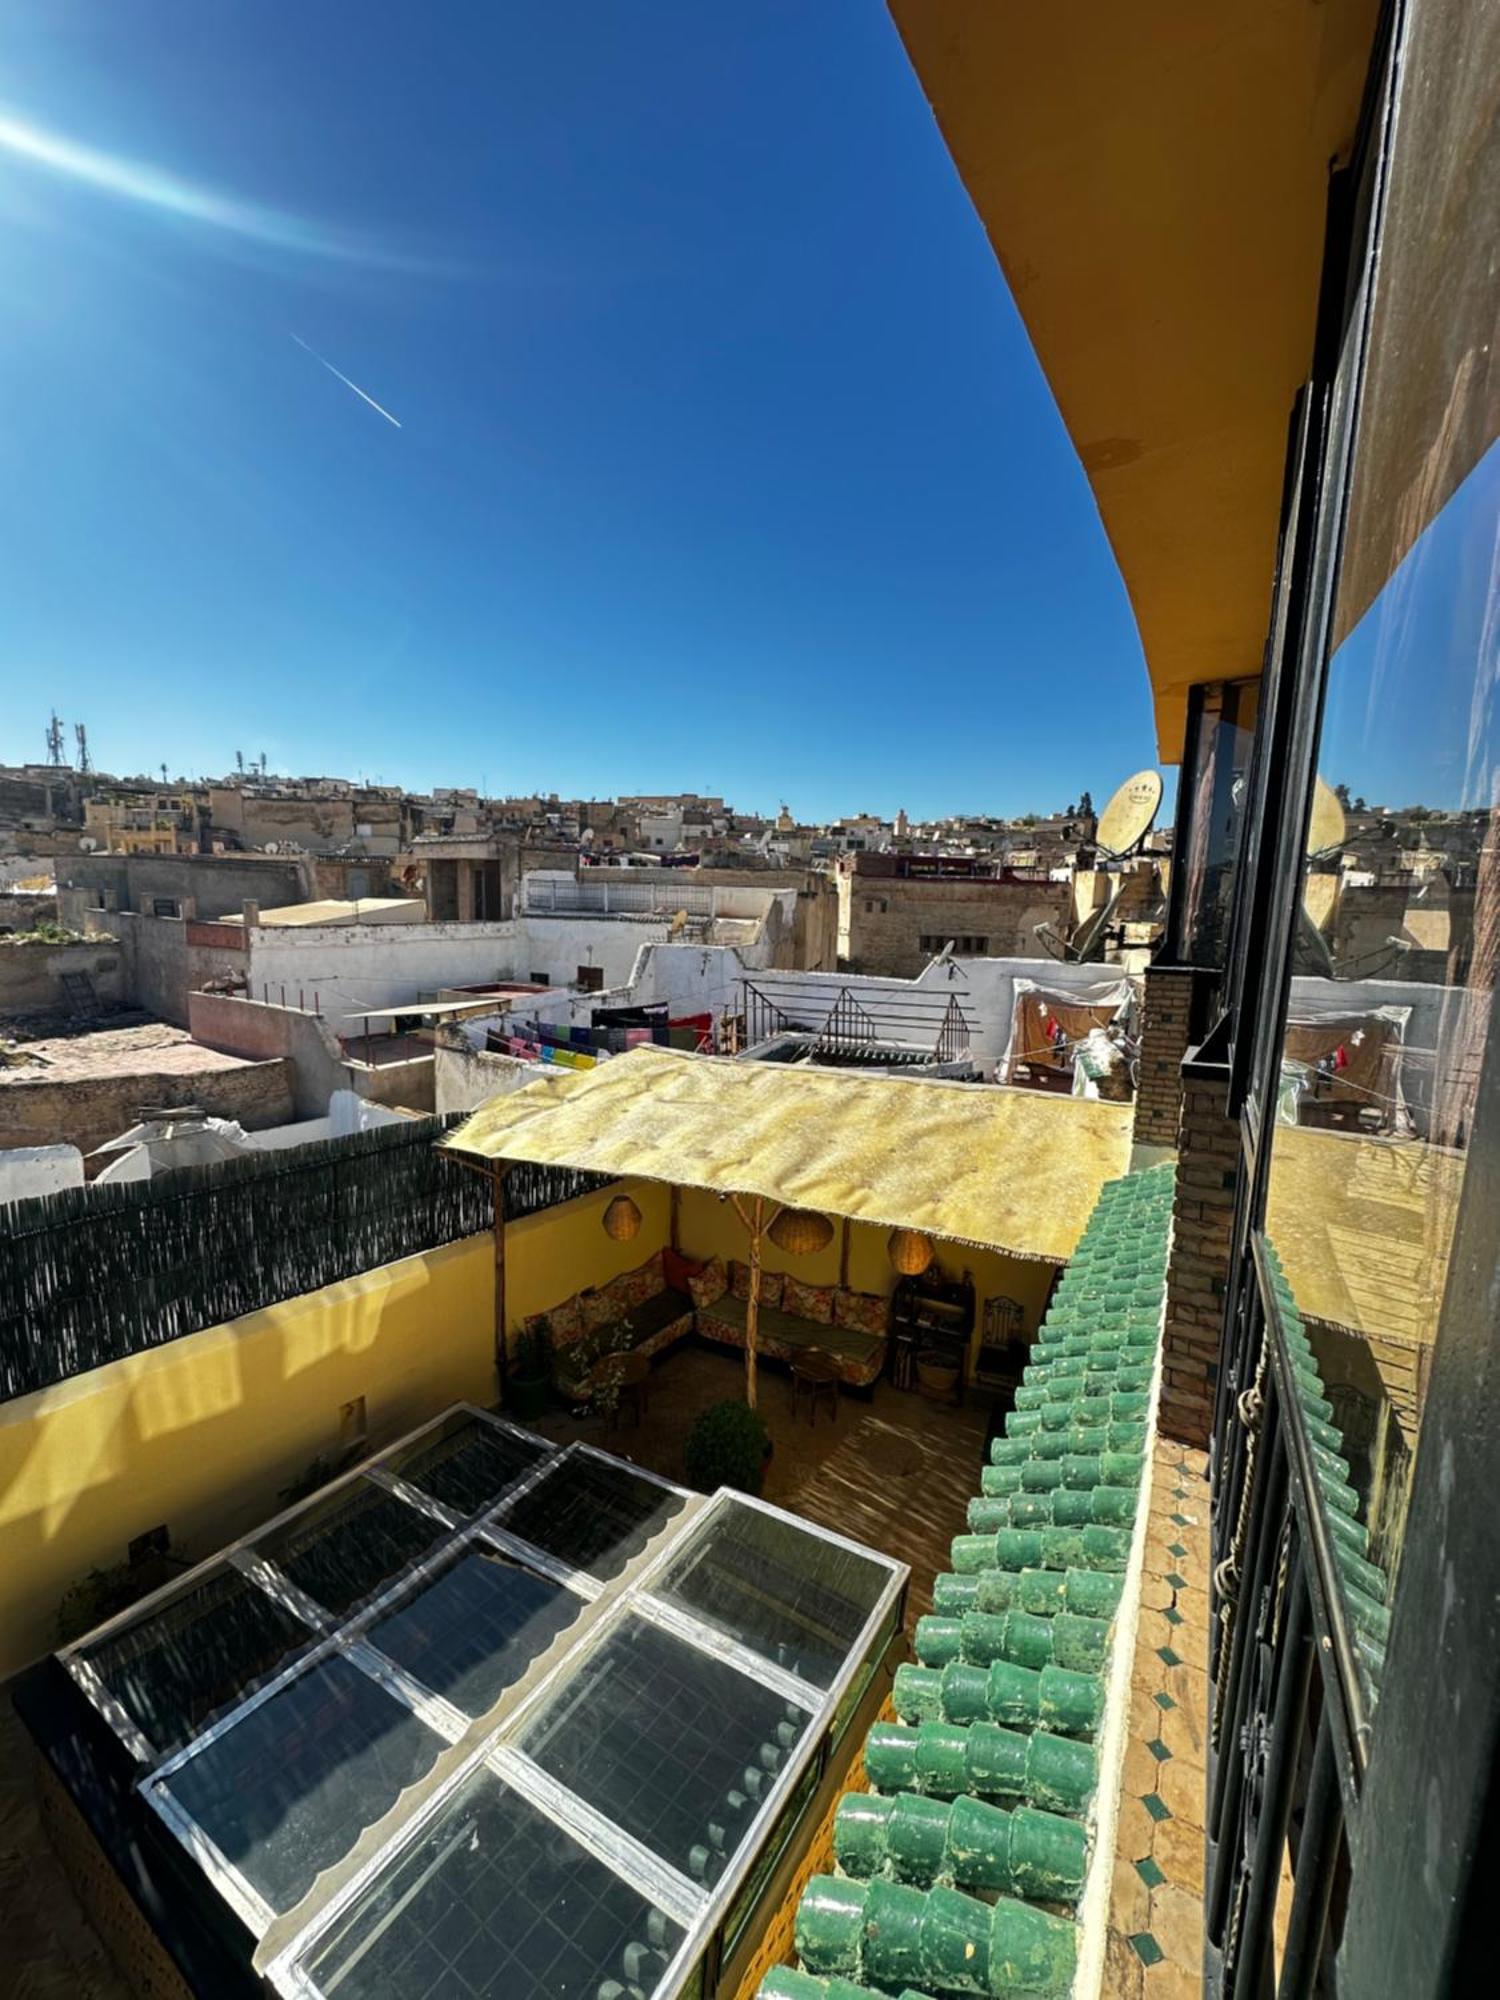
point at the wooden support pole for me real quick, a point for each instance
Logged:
(752, 1305)
(497, 1180)
(755, 1222)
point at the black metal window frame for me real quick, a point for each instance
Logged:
(1290, 1726)
(1389, 1815)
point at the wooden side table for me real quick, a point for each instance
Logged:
(635, 1387)
(814, 1375)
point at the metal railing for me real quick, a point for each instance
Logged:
(563, 896)
(1289, 1721)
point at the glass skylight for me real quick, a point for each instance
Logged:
(583, 1707)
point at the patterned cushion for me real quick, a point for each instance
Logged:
(633, 1288)
(813, 1302)
(677, 1269)
(711, 1283)
(772, 1284)
(865, 1312)
(566, 1322)
(596, 1309)
(739, 1278)
(617, 1291)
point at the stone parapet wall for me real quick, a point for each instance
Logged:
(1202, 1222)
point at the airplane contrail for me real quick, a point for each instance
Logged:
(378, 408)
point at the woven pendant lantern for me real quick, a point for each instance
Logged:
(800, 1231)
(622, 1219)
(910, 1251)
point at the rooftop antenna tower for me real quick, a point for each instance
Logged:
(262, 763)
(54, 740)
(81, 736)
(239, 762)
(164, 774)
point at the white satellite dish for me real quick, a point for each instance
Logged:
(273, 847)
(87, 844)
(1326, 824)
(1127, 819)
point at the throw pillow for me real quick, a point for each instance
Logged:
(772, 1285)
(862, 1312)
(739, 1278)
(567, 1323)
(814, 1302)
(677, 1270)
(597, 1309)
(710, 1284)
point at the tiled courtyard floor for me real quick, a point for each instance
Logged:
(892, 1469)
(1156, 1907)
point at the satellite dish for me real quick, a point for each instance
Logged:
(1126, 820)
(1326, 825)
(87, 843)
(272, 847)
(1319, 897)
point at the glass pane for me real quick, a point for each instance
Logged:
(492, 1899)
(342, 1550)
(200, 1652)
(473, 1630)
(288, 1789)
(1217, 773)
(466, 1463)
(670, 1743)
(592, 1514)
(1397, 948)
(777, 1588)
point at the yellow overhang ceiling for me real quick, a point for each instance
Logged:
(1154, 180)
(1009, 1170)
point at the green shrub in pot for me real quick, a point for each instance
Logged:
(727, 1446)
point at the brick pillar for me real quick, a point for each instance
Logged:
(1166, 1030)
(1198, 1270)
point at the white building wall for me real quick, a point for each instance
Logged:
(340, 971)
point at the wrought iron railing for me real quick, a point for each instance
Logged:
(1289, 1715)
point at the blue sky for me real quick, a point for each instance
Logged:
(723, 463)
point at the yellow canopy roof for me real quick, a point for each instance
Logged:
(1364, 1228)
(1009, 1170)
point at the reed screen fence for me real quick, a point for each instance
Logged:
(90, 1275)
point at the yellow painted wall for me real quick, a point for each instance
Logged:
(202, 1433)
(710, 1228)
(549, 1257)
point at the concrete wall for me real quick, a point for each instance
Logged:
(883, 918)
(244, 1027)
(31, 975)
(163, 963)
(28, 1171)
(340, 970)
(86, 1111)
(199, 1435)
(464, 1077)
(215, 884)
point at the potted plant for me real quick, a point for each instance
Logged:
(527, 1386)
(728, 1446)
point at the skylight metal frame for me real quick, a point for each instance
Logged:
(635, 1865)
(244, 1555)
(491, 1739)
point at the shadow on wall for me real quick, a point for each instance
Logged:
(199, 1436)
